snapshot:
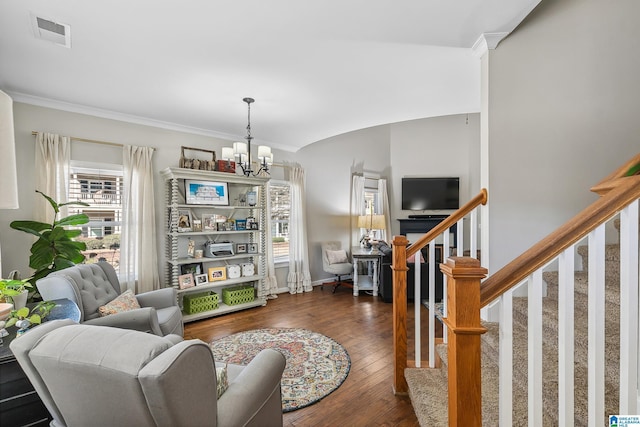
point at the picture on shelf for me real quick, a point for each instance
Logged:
(186, 281)
(241, 224)
(201, 279)
(217, 273)
(206, 192)
(194, 268)
(197, 225)
(184, 220)
(252, 248)
(241, 248)
(191, 248)
(210, 221)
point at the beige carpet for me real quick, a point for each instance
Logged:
(428, 387)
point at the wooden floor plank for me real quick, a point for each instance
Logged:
(363, 325)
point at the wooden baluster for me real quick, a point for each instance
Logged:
(463, 322)
(399, 267)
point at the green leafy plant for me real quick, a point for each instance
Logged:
(633, 170)
(10, 288)
(55, 249)
(34, 315)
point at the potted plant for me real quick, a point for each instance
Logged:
(16, 291)
(55, 248)
(25, 317)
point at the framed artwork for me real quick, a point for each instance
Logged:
(210, 222)
(201, 279)
(241, 248)
(252, 248)
(186, 281)
(206, 192)
(194, 268)
(217, 273)
(191, 248)
(184, 220)
(241, 224)
(196, 224)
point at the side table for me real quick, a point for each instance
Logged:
(20, 405)
(367, 282)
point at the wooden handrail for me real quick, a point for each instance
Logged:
(623, 193)
(480, 199)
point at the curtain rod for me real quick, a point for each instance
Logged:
(91, 141)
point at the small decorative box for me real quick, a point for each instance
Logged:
(238, 295)
(226, 166)
(197, 303)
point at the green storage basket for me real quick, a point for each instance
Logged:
(238, 295)
(197, 303)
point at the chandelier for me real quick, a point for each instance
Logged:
(241, 151)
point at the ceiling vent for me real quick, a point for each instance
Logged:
(47, 29)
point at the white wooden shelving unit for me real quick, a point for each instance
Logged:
(177, 242)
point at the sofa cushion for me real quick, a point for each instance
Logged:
(125, 302)
(222, 380)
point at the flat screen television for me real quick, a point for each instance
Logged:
(419, 194)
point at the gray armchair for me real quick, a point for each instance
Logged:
(337, 267)
(91, 286)
(100, 376)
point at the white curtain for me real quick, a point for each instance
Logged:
(270, 282)
(299, 278)
(53, 156)
(383, 208)
(138, 248)
(357, 207)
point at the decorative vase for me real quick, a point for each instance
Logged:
(20, 300)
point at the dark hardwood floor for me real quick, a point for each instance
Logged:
(363, 325)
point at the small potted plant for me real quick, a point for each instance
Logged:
(15, 291)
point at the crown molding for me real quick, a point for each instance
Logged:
(485, 42)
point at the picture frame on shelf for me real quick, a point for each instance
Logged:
(201, 279)
(184, 220)
(193, 268)
(191, 248)
(196, 225)
(241, 248)
(209, 222)
(241, 224)
(252, 248)
(217, 274)
(211, 193)
(186, 281)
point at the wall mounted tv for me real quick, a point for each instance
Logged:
(419, 194)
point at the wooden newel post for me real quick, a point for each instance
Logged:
(399, 270)
(463, 322)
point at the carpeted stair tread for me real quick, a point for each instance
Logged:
(612, 285)
(424, 385)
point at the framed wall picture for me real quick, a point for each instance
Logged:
(186, 281)
(206, 192)
(252, 248)
(241, 248)
(201, 279)
(184, 220)
(193, 268)
(217, 273)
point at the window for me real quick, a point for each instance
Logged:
(280, 197)
(100, 186)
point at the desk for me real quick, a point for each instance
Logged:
(19, 403)
(367, 282)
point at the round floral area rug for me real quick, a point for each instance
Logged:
(316, 364)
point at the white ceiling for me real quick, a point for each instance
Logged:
(316, 69)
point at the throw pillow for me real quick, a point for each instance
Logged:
(124, 302)
(221, 380)
(337, 257)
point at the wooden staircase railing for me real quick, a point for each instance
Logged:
(399, 271)
(466, 294)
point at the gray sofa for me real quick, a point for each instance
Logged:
(101, 376)
(93, 285)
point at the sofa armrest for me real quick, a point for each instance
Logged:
(142, 319)
(160, 298)
(252, 391)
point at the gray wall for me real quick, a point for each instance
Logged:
(563, 113)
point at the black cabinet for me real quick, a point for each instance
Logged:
(423, 225)
(19, 403)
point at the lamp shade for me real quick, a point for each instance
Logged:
(8, 170)
(364, 221)
(240, 148)
(227, 153)
(377, 222)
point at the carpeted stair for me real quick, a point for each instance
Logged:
(428, 387)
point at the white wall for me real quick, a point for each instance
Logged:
(28, 118)
(563, 113)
